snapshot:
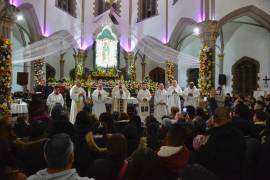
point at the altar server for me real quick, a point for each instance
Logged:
(78, 96)
(144, 96)
(174, 92)
(191, 95)
(99, 95)
(160, 102)
(55, 97)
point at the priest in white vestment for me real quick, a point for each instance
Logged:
(191, 95)
(99, 95)
(174, 92)
(55, 97)
(144, 96)
(160, 102)
(78, 96)
(120, 95)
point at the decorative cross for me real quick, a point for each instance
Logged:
(266, 79)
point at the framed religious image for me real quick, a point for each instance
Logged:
(106, 53)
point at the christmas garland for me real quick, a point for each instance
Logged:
(170, 71)
(206, 67)
(5, 76)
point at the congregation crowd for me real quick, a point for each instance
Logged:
(226, 143)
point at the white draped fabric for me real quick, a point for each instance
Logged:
(174, 94)
(191, 96)
(77, 101)
(19, 108)
(160, 102)
(144, 96)
(99, 98)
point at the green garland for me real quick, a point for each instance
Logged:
(206, 68)
(5, 74)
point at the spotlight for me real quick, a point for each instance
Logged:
(196, 31)
(19, 17)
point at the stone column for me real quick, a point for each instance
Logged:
(129, 59)
(62, 66)
(7, 21)
(208, 36)
(143, 67)
(221, 63)
(79, 57)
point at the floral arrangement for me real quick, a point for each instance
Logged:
(133, 72)
(105, 72)
(170, 71)
(5, 74)
(38, 69)
(206, 67)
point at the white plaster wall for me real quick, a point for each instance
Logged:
(248, 41)
(224, 7)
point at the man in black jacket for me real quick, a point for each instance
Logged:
(222, 150)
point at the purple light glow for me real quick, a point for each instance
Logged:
(164, 40)
(14, 2)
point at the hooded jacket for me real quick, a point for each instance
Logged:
(70, 174)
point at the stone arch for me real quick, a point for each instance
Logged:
(179, 31)
(28, 12)
(251, 11)
(245, 76)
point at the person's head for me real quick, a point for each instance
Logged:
(59, 152)
(195, 172)
(177, 135)
(174, 83)
(150, 119)
(191, 85)
(136, 121)
(191, 111)
(123, 116)
(120, 84)
(117, 147)
(99, 128)
(242, 111)
(174, 110)
(107, 119)
(221, 116)
(100, 85)
(56, 90)
(83, 119)
(259, 106)
(259, 116)
(144, 86)
(78, 83)
(62, 126)
(133, 139)
(56, 111)
(160, 86)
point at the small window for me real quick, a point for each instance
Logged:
(147, 8)
(67, 5)
(101, 6)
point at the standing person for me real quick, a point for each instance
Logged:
(55, 97)
(144, 96)
(99, 95)
(78, 95)
(160, 101)
(191, 95)
(120, 94)
(174, 92)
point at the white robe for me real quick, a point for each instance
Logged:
(144, 107)
(53, 99)
(174, 98)
(160, 101)
(77, 102)
(191, 100)
(99, 102)
(116, 97)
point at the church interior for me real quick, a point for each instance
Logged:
(135, 89)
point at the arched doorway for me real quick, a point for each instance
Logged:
(193, 76)
(245, 76)
(157, 75)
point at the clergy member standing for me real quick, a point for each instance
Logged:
(55, 97)
(99, 95)
(144, 96)
(174, 92)
(77, 95)
(191, 95)
(160, 101)
(120, 95)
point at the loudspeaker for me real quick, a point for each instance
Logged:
(222, 79)
(22, 78)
